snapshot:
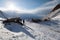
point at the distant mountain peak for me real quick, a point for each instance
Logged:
(1, 11)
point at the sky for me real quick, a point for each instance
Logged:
(30, 4)
(27, 5)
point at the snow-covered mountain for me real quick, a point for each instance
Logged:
(48, 30)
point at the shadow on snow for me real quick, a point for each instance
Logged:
(18, 28)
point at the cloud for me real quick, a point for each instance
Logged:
(51, 3)
(46, 6)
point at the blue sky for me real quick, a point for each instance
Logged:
(30, 6)
(26, 4)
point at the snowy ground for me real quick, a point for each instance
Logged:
(49, 30)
